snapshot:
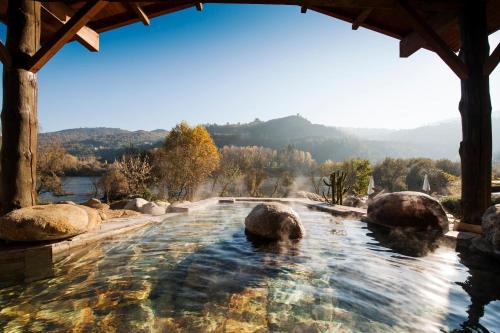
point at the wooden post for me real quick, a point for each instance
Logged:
(475, 110)
(19, 110)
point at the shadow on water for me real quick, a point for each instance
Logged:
(406, 241)
(482, 286)
(215, 272)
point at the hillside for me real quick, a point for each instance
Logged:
(324, 142)
(106, 143)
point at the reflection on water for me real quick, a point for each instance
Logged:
(199, 273)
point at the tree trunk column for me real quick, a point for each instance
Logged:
(475, 110)
(19, 110)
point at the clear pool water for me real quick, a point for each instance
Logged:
(199, 273)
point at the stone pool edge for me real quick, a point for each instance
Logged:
(26, 263)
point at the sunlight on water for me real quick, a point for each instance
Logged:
(199, 273)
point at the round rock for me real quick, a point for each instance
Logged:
(491, 226)
(46, 223)
(408, 209)
(274, 221)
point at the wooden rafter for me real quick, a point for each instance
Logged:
(65, 34)
(139, 12)
(434, 40)
(440, 22)
(431, 5)
(361, 18)
(58, 16)
(5, 55)
(492, 61)
(199, 6)
(303, 9)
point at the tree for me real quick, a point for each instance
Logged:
(53, 160)
(113, 184)
(391, 174)
(287, 163)
(418, 168)
(317, 173)
(187, 158)
(136, 169)
(358, 175)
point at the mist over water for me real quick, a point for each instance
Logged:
(200, 273)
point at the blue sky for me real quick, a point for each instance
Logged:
(235, 63)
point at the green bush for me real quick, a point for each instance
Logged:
(452, 205)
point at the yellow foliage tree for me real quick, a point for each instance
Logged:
(188, 157)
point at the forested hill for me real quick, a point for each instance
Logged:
(324, 142)
(104, 142)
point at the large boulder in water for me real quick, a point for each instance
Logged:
(46, 223)
(274, 221)
(491, 226)
(408, 209)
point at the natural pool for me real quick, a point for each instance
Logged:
(199, 273)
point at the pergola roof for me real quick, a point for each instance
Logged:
(383, 16)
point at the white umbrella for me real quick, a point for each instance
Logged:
(371, 186)
(426, 187)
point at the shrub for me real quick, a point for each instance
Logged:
(452, 205)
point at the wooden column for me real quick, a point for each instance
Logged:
(475, 110)
(19, 110)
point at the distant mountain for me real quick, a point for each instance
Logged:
(106, 143)
(439, 140)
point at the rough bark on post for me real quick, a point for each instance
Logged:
(19, 110)
(475, 110)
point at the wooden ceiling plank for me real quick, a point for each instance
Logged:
(65, 33)
(492, 61)
(434, 40)
(413, 42)
(5, 55)
(85, 36)
(361, 18)
(136, 8)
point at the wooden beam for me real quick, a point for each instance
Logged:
(361, 18)
(430, 5)
(199, 6)
(492, 61)
(434, 40)
(5, 55)
(65, 34)
(303, 9)
(412, 42)
(85, 36)
(136, 8)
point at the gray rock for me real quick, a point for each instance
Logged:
(274, 221)
(152, 209)
(408, 209)
(491, 226)
(136, 204)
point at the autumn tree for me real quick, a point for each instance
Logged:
(186, 159)
(53, 160)
(136, 170)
